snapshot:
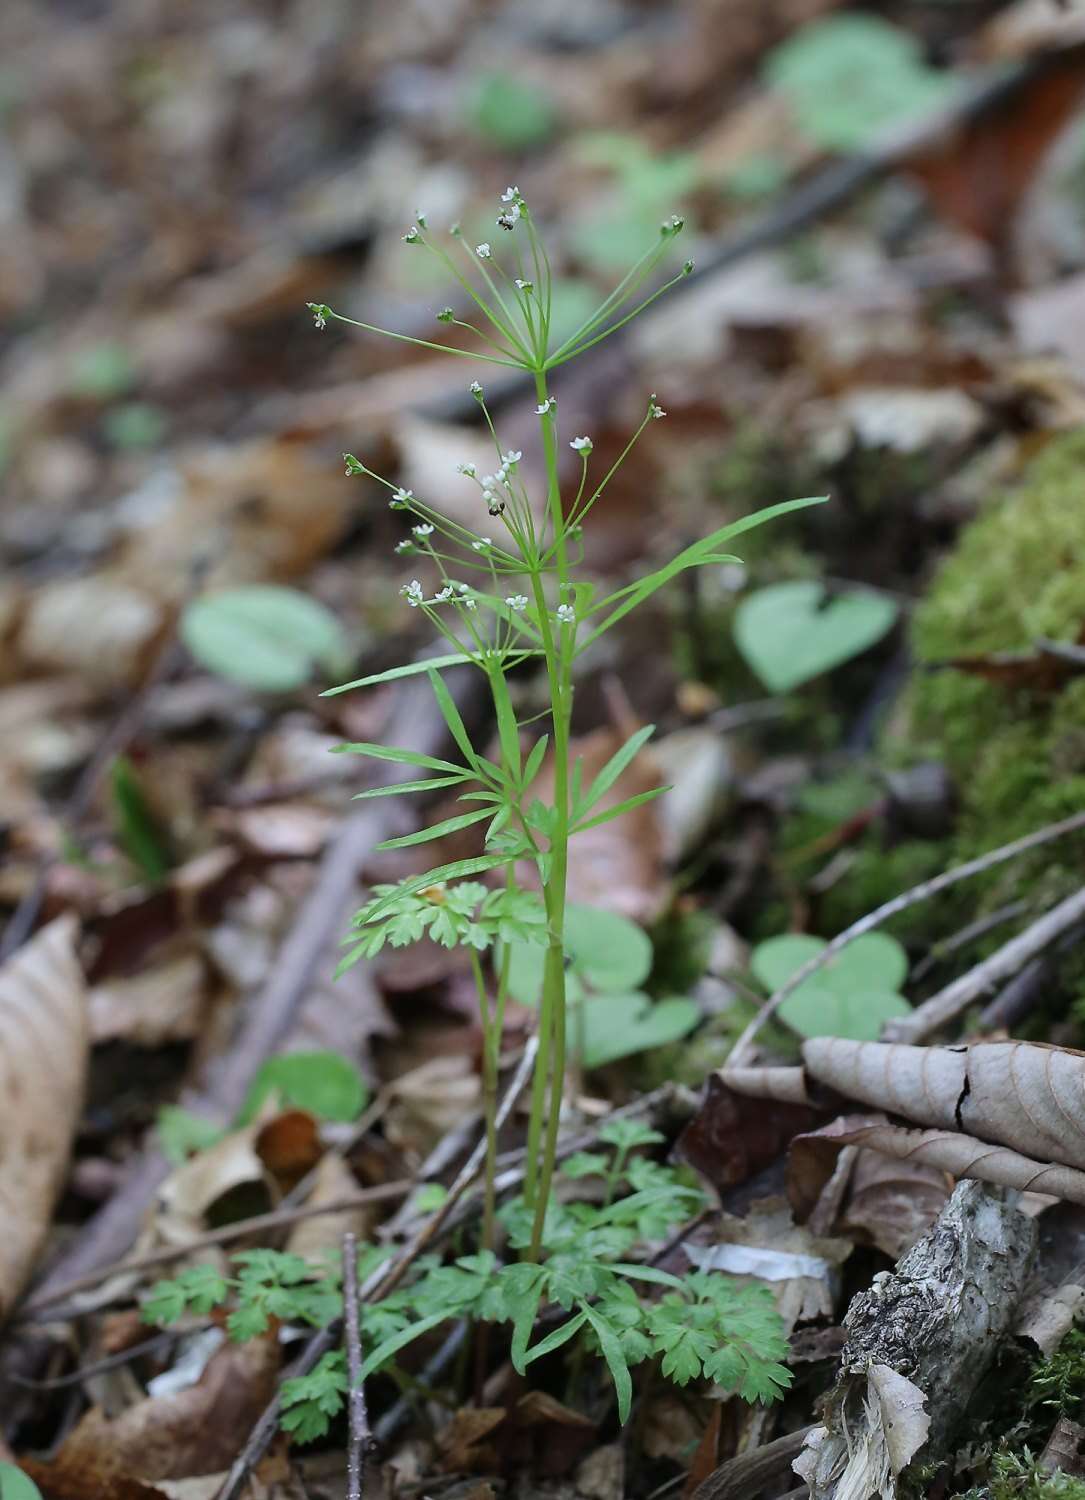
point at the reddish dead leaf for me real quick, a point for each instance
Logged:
(289, 1146)
(545, 1435)
(978, 176)
(732, 1137)
(1042, 671)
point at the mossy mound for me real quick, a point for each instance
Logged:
(1017, 574)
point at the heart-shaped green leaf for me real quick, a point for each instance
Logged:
(614, 1026)
(791, 632)
(265, 637)
(603, 950)
(323, 1083)
(15, 1485)
(850, 997)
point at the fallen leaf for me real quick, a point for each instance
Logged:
(99, 627)
(314, 1238)
(43, 1060)
(164, 1003)
(731, 1136)
(461, 1443)
(195, 1431)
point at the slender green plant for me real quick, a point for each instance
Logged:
(499, 602)
(524, 601)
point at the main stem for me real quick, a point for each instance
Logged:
(552, 1010)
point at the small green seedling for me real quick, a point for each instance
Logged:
(608, 959)
(850, 997)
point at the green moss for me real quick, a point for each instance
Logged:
(1017, 573)
(1017, 1476)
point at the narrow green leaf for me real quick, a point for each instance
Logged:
(621, 807)
(555, 1340)
(401, 788)
(614, 767)
(534, 761)
(691, 557)
(436, 830)
(507, 730)
(397, 754)
(523, 1323)
(412, 669)
(612, 1353)
(647, 1273)
(400, 1340)
(452, 717)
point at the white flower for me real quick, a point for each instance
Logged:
(468, 469)
(517, 602)
(443, 595)
(483, 544)
(488, 481)
(420, 218)
(510, 195)
(412, 592)
(469, 603)
(524, 286)
(513, 456)
(655, 410)
(464, 588)
(320, 313)
(405, 547)
(566, 614)
(401, 499)
(547, 406)
(581, 445)
(476, 390)
(483, 251)
(424, 530)
(509, 218)
(412, 236)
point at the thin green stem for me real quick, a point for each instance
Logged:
(552, 1020)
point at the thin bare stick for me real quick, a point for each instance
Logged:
(356, 1412)
(948, 1003)
(742, 1052)
(276, 1219)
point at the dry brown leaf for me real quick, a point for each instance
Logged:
(43, 1061)
(98, 627)
(462, 1444)
(731, 1137)
(163, 1004)
(960, 1155)
(313, 1239)
(192, 1432)
(1024, 1095)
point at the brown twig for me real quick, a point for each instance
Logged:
(948, 1003)
(743, 1049)
(278, 1218)
(356, 1411)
